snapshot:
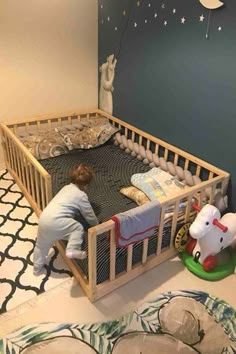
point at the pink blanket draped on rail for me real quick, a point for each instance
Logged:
(136, 224)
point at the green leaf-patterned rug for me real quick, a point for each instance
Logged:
(181, 322)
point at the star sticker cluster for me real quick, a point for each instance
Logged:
(157, 15)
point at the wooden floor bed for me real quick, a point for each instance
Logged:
(36, 184)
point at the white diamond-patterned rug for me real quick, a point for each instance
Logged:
(18, 230)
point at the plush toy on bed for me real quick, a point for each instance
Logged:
(210, 234)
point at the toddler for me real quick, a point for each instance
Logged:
(57, 220)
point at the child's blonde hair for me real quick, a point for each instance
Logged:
(81, 175)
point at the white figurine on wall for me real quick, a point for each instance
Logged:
(106, 84)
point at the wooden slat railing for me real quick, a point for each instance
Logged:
(35, 182)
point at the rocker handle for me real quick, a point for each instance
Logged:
(196, 207)
(215, 221)
(221, 226)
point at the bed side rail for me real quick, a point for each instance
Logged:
(49, 121)
(164, 152)
(148, 261)
(32, 178)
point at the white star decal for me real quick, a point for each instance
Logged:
(155, 15)
(219, 28)
(102, 22)
(115, 28)
(108, 18)
(135, 24)
(165, 23)
(149, 5)
(162, 6)
(201, 18)
(101, 6)
(174, 11)
(183, 20)
(145, 21)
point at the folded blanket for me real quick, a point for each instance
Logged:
(136, 224)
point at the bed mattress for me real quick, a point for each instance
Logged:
(113, 169)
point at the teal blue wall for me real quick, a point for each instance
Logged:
(170, 80)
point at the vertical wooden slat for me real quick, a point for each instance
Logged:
(14, 154)
(160, 231)
(92, 262)
(5, 147)
(33, 182)
(174, 222)
(132, 135)
(140, 139)
(18, 164)
(48, 189)
(37, 187)
(49, 124)
(126, 132)
(202, 196)
(188, 208)
(27, 173)
(198, 170)
(211, 174)
(8, 141)
(176, 159)
(11, 154)
(112, 254)
(156, 149)
(8, 150)
(166, 154)
(38, 124)
(186, 164)
(145, 250)
(22, 160)
(212, 193)
(148, 144)
(42, 192)
(224, 185)
(129, 258)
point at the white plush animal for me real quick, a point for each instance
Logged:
(106, 84)
(212, 233)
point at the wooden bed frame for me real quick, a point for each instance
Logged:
(36, 184)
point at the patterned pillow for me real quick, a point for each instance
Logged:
(135, 194)
(140, 198)
(157, 184)
(87, 134)
(92, 136)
